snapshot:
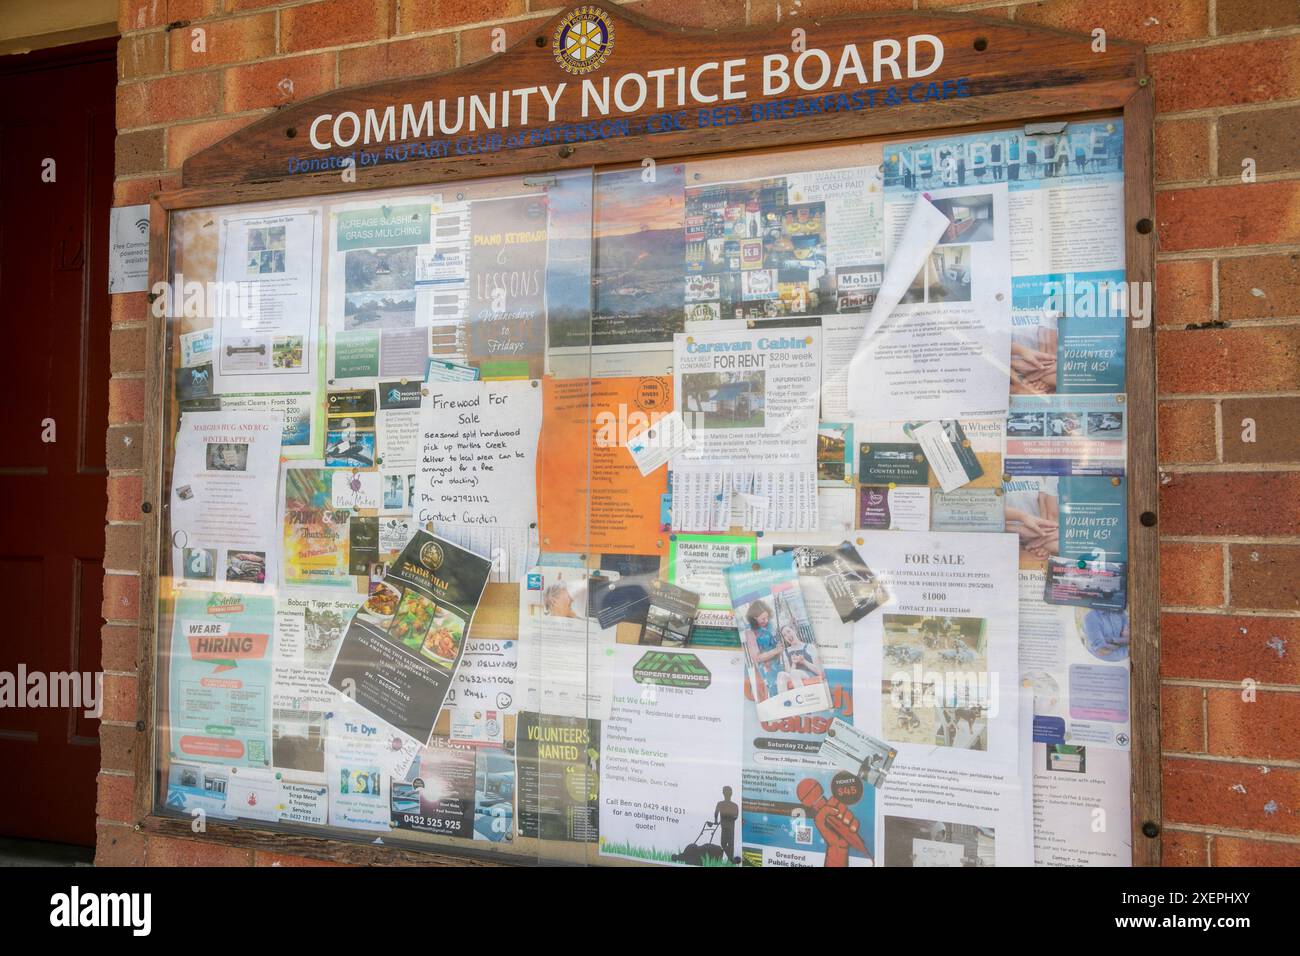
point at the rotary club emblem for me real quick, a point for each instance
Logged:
(583, 40)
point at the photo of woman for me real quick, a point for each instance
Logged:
(766, 650)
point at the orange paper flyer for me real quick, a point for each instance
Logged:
(591, 498)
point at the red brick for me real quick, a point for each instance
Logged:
(126, 349)
(1186, 432)
(1184, 291)
(1211, 217)
(118, 845)
(241, 6)
(122, 547)
(266, 858)
(382, 61)
(1235, 851)
(1182, 719)
(120, 647)
(1271, 138)
(1259, 287)
(121, 597)
(1261, 71)
(316, 26)
(141, 54)
(1180, 848)
(124, 497)
(184, 140)
(141, 14)
(234, 40)
(441, 14)
(1238, 503)
(1243, 360)
(125, 400)
(191, 9)
(1262, 729)
(1221, 647)
(116, 798)
(1191, 575)
(784, 11)
(130, 192)
(129, 307)
(476, 44)
(123, 447)
(1272, 423)
(166, 99)
(1154, 21)
(1239, 16)
(140, 151)
(277, 82)
(1233, 795)
(121, 698)
(1182, 150)
(117, 747)
(164, 851)
(1265, 577)
(721, 14)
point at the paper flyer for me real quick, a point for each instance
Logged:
(220, 678)
(397, 662)
(751, 400)
(1067, 435)
(1078, 792)
(266, 339)
(785, 673)
(376, 325)
(558, 764)
(754, 251)
(477, 439)
(799, 808)
(315, 532)
(300, 411)
(397, 432)
(892, 508)
(309, 625)
(940, 349)
(696, 563)
(456, 791)
(1076, 530)
(350, 428)
(1070, 301)
(507, 286)
(673, 707)
(1075, 662)
(223, 501)
(936, 675)
(636, 287)
(358, 769)
(591, 495)
(564, 655)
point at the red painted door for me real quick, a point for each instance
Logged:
(54, 340)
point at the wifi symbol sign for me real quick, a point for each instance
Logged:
(142, 225)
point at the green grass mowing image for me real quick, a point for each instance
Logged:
(651, 854)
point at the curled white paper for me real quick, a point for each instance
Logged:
(921, 234)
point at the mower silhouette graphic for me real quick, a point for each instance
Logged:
(697, 853)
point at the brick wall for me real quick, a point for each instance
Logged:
(1227, 86)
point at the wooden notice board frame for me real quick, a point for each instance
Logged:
(993, 72)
